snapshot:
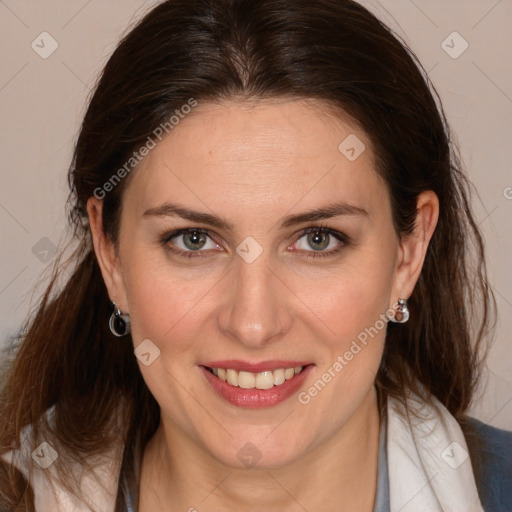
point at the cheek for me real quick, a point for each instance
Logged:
(164, 306)
(348, 358)
(353, 305)
(355, 298)
(354, 352)
(170, 311)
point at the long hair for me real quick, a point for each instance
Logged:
(332, 50)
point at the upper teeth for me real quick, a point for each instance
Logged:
(262, 380)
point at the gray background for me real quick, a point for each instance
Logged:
(42, 101)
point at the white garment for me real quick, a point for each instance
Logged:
(428, 461)
(428, 466)
(99, 489)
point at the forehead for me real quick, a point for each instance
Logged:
(266, 154)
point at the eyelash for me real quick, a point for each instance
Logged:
(166, 237)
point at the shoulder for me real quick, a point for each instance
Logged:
(36, 460)
(490, 451)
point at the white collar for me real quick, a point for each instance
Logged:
(428, 461)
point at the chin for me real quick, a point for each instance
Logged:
(256, 454)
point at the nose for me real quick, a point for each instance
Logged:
(254, 311)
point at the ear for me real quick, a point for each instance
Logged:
(413, 247)
(107, 255)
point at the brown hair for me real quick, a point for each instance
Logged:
(332, 50)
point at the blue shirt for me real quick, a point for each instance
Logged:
(382, 493)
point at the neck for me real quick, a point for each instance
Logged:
(338, 474)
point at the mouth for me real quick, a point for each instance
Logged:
(266, 379)
(266, 385)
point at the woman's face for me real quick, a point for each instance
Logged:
(294, 263)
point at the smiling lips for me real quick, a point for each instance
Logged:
(256, 385)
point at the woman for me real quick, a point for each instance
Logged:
(272, 302)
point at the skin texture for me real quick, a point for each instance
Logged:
(253, 164)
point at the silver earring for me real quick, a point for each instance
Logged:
(401, 314)
(119, 324)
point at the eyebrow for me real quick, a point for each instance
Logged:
(326, 212)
